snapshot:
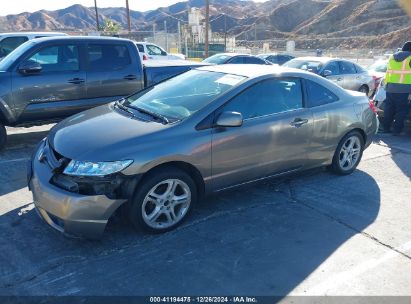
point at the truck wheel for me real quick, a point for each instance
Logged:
(163, 200)
(3, 136)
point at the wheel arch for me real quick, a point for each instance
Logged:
(188, 168)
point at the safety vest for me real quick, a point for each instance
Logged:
(398, 72)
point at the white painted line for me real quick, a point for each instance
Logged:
(332, 282)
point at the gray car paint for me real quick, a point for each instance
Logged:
(223, 157)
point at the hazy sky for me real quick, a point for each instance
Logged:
(19, 6)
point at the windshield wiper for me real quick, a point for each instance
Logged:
(153, 114)
(122, 107)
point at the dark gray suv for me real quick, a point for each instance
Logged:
(47, 79)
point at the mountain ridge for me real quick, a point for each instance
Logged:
(273, 19)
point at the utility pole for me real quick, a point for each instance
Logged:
(95, 7)
(154, 32)
(179, 36)
(225, 33)
(128, 18)
(207, 28)
(186, 45)
(255, 32)
(165, 31)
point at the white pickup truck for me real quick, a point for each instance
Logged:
(151, 51)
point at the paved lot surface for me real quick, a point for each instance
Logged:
(313, 234)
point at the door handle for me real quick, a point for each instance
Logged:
(339, 79)
(298, 122)
(76, 80)
(130, 77)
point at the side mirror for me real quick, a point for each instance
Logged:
(229, 119)
(30, 67)
(163, 53)
(327, 73)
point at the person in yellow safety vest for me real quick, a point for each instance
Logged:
(398, 88)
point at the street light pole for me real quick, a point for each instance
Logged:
(128, 18)
(207, 28)
(166, 34)
(95, 7)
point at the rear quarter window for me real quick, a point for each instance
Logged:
(318, 95)
(140, 48)
(108, 57)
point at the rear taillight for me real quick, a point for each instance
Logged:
(376, 81)
(145, 57)
(373, 107)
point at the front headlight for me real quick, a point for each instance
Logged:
(85, 168)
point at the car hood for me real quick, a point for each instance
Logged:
(102, 134)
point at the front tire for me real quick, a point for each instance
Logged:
(163, 200)
(3, 136)
(348, 154)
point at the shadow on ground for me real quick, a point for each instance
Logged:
(13, 160)
(264, 239)
(400, 148)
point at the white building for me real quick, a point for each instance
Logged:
(196, 24)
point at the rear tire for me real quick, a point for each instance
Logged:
(348, 154)
(163, 200)
(364, 89)
(3, 136)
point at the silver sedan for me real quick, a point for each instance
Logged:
(158, 151)
(345, 73)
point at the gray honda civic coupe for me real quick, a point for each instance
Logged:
(155, 153)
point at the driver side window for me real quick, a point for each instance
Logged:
(154, 50)
(57, 58)
(333, 67)
(268, 97)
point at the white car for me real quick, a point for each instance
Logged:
(10, 41)
(150, 51)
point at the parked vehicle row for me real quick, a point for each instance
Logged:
(158, 151)
(233, 58)
(236, 118)
(48, 79)
(275, 58)
(345, 73)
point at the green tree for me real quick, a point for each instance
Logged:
(110, 27)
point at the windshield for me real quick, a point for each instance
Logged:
(308, 65)
(217, 59)
(7, 61)
(379, 66)
(183, 95)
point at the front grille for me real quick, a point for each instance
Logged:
(55, 160)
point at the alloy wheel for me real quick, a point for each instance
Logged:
(350, 153)
(166, 203)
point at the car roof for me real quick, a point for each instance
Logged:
(33, 33)
(79, 38)
(253, 70)
(234, 54)
(144, 42)
(173, 63)
(319, 59)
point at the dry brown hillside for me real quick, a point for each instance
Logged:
(325, 23)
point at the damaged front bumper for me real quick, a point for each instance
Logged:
(69, 212)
